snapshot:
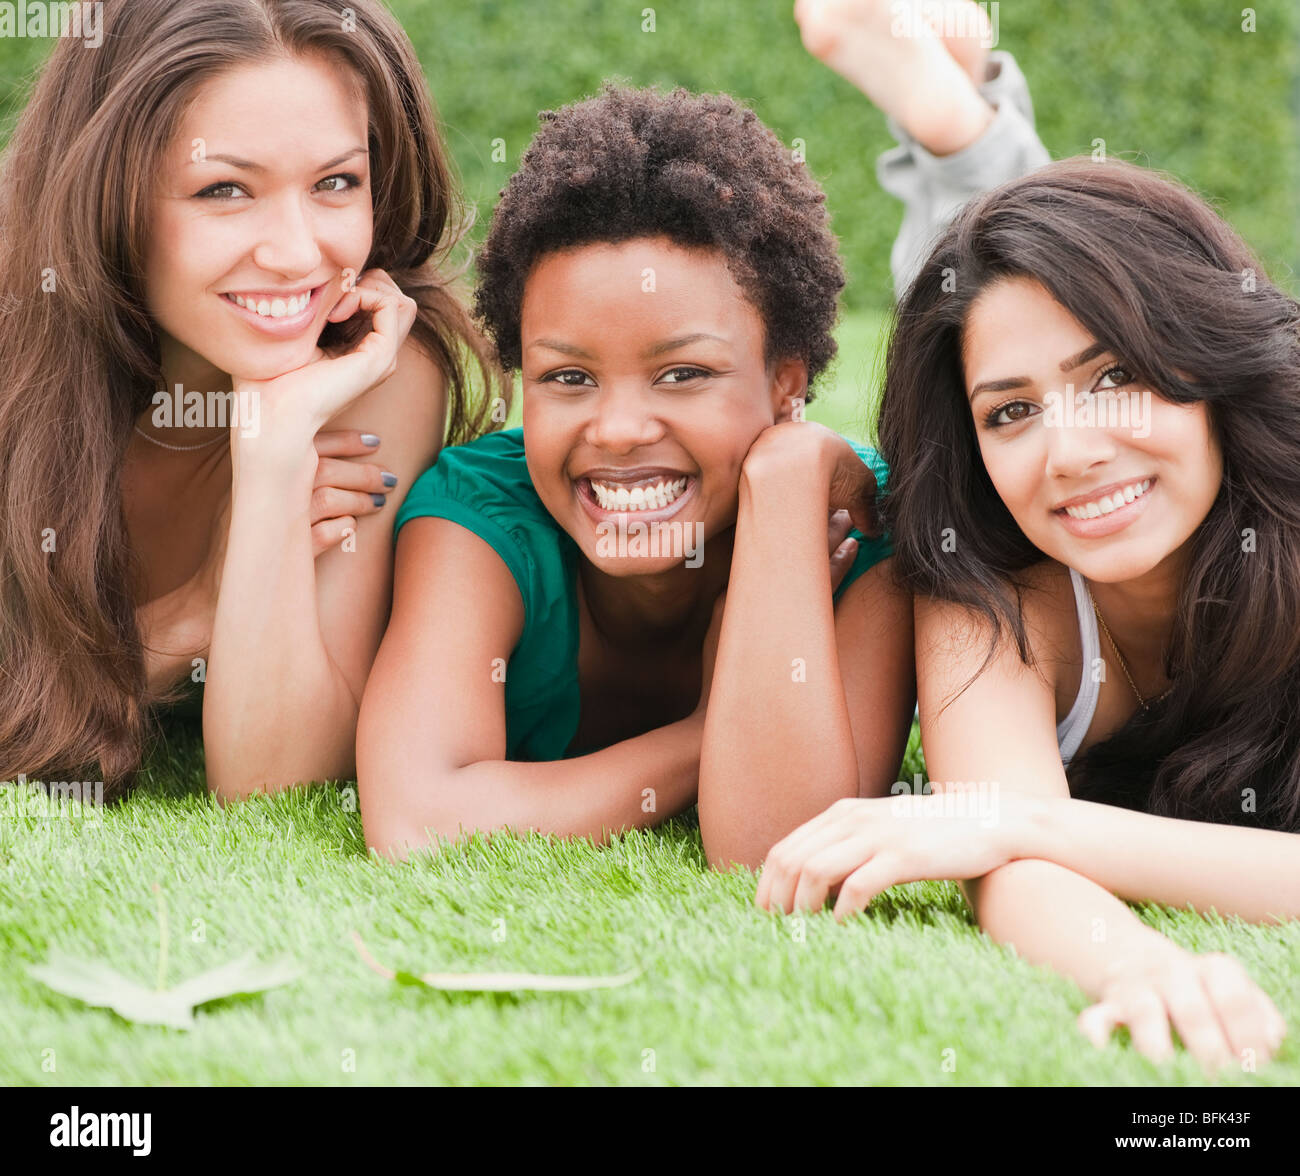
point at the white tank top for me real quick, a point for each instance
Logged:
(1071, 729)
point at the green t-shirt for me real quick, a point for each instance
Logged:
(484, 486)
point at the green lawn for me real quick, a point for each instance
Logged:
(730, 994)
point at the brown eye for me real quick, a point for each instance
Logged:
(1009, 414)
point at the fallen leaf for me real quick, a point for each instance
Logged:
(496, 981)
(95, 983)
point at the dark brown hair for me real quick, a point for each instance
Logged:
(1163, 283)
(699, 169)
(81, 363)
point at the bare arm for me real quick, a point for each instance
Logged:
(999, 734)
(1145, 858)
(1048, 912)
(294, 636)
(779, 655)
(431, 741)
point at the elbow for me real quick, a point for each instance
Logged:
(235, 781)
(725, 853)
(395, 824)
(726, 846)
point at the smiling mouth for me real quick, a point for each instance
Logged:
(1107, 503)
(651, 492)
(273, 306)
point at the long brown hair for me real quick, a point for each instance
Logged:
(79, 355)
(1164, 283)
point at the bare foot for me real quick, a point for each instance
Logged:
(922, 74)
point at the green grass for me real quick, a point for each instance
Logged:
(730, 994)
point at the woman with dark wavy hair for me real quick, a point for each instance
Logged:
(208, 211)
(1092, 420)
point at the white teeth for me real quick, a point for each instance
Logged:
(1110, 502)
(274, 307)
(641, 498)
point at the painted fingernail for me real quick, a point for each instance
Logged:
(369, 439)
(379, 499)
(390, 480)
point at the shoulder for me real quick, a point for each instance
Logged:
(489, 475)
(408, 412)
(484, 486)
(1044, 593)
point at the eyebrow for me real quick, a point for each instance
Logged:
(249, 165)
(685, 340)
(1066, 365)
(658, 348)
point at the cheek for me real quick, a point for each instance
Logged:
(348, 237)
(1016, 473)
(1184, 442)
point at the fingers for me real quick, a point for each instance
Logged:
(870, 879)
(1249, 1019)
(391, 311)
(374, 359)
(826, 868)
(330, 533)
(1137, 1006)
(1193, 1015)
(785, 860)
(842, 561)
(328, 502)
(345, 443)
(354, 475)
(837, 529)
(1221, 1016)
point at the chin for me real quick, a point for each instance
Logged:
(1114, 567)
(266, 361)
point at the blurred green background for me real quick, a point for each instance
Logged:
(1174, 84)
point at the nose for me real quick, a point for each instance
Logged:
(288, 244)
(1075, 442)
(622, 419)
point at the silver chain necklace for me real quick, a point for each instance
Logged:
(179, 448)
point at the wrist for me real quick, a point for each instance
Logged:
(1030, 826)
(279, 465)
(789, 453)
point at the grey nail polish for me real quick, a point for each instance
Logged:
(369, 439)
(390, 480)
(379, 499)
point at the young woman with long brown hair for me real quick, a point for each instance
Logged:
(219, 200)
(1092, 421)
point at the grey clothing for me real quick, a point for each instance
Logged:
(933, 188)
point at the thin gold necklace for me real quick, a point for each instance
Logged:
(179, 448)
(1123, 665)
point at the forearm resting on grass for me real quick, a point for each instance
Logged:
(1253, 874)
(776, 704)
(276, 710)
(633, 784)
(1054, 917)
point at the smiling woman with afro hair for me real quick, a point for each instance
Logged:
(699, 169)
(674, 417)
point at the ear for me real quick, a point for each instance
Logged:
(789, 389)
